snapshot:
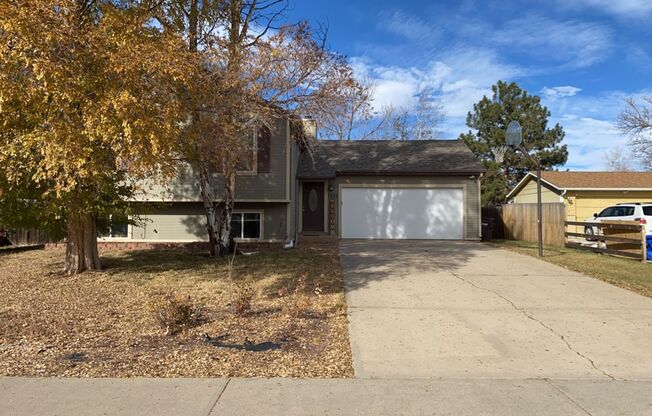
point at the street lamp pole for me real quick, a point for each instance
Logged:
(514, 139)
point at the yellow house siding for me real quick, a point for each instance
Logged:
(528, 195)
(581, 205)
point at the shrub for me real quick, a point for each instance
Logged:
(241, 298)
(175, 313)
(297, 301)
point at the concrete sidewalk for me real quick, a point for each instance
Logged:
(270, 397)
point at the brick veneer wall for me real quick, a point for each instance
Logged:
(198, 246)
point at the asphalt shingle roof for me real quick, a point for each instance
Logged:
(611, 180)
(388, 157)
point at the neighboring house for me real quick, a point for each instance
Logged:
(356, 189)
(584, 193)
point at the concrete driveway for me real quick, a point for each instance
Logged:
(421, 309)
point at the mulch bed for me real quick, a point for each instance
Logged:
(100, 324)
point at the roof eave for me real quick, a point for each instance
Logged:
(404, 173)
(607, 189)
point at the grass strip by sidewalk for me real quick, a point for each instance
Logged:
(626, 273)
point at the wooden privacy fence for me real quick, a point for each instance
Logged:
(520, 222)
(620, 238)
(26, 237)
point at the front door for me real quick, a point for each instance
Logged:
(313, 206)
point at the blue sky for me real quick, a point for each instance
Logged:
(583, 57)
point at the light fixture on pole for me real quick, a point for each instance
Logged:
(514, 139)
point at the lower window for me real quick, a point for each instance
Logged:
(119, 230)
(245, 225)
(117, 227)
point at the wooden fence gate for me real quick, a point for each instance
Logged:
(519, 222)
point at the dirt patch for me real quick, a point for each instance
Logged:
(100, 324)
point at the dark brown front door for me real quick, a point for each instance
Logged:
(313, 206)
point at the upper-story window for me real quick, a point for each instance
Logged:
(248, 163)
(258, 157)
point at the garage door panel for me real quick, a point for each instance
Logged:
(397, 213)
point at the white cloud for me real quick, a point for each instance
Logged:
(461, 77)
(634, 9)
(562, 91)
(408, 26)
(589, 123)
(575, 43)
(588, 139)
(638, 57)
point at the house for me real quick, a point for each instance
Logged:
(356, 189)
(584, 193)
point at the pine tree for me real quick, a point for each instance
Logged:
(489, 120)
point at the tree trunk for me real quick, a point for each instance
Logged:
(81, 244)
(229, 202)
(212, 223)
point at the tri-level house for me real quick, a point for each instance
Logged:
(381, 189)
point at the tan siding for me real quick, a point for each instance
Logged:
(528, 195)
(185, 221)
(471, 200)
(583, 204)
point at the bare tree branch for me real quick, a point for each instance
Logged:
(636, 121)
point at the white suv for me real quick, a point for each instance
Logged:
(635, 211)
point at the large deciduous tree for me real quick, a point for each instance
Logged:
(250, 69)
(489, 120)
(88, 96)
(636, 120)
(351, 114)
(419, 119)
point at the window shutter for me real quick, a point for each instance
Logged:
(264, 150)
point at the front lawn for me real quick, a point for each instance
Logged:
(626, 273)
(101, 324)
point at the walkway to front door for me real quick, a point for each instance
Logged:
(420, 309)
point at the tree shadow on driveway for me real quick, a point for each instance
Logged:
(366, 261)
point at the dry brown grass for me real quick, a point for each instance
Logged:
(100, 324)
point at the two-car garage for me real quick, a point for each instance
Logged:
(391, 189)
(402, 213)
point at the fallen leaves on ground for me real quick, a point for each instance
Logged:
(100, 324)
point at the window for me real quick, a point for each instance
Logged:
(118, 227)
(647, 210)
(119, 230)
(245, 225)
(618, 211)
(627, 211)
(248, 163)
(608, 212)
